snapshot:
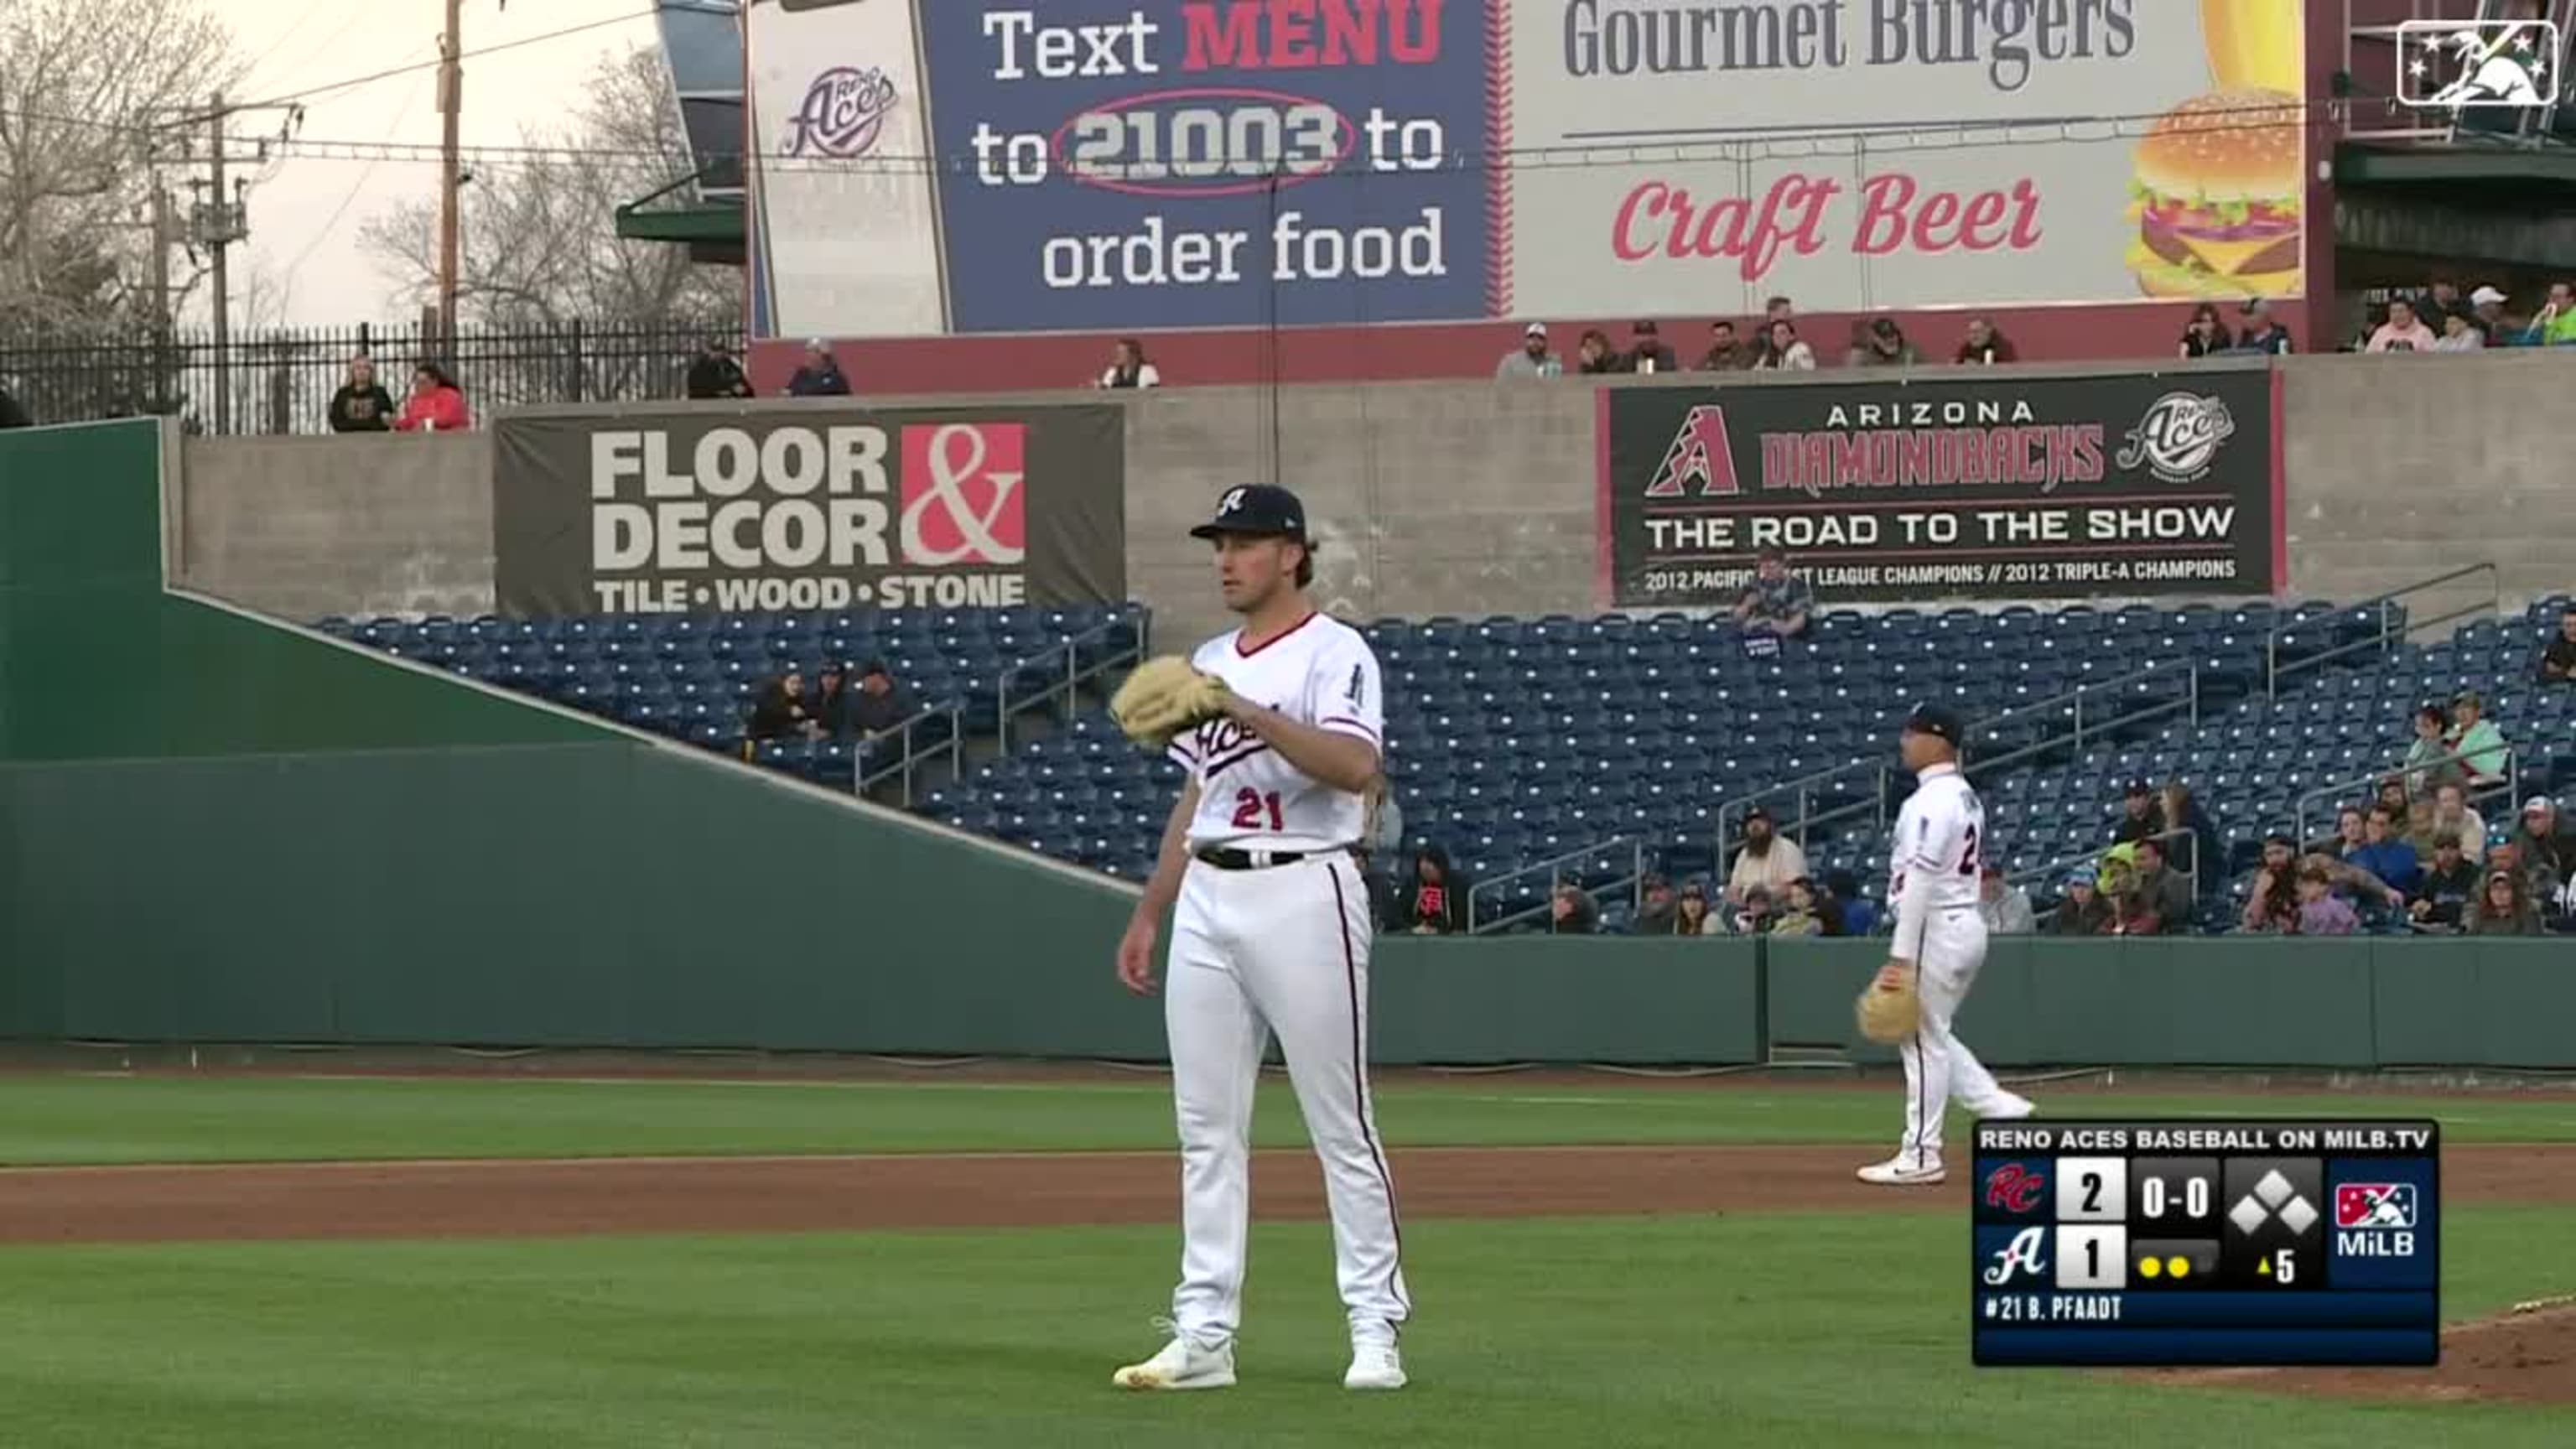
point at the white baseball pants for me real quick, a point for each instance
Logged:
(1937, 1064)
(1283, 949)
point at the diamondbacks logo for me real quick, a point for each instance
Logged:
(2457, 64)
(2014, 1188)
(1698, 454)
(2375, 1205)
(2026, 1254)
(2179, 438)
(843, 115)
(962, 496)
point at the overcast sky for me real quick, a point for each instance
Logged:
(305, 212)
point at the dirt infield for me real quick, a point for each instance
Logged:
(2523, 1357)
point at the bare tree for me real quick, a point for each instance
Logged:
(93, 93)
(539, 238)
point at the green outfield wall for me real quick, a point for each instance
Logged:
(214, 829)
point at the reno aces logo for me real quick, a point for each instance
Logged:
(2014, 1188)
(2180, 436)
(843, 115)
(2025, 1256)
(1223, 742)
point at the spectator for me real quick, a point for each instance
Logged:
(2321, 911)
(1883, 344)
(1532, 360)
(2082, 911)
(2460, 334)
(1725, 353)
(362, 405)
(715, 374)
(2477, 740)
(1856, 344)
(2428, 760)
(831, 706)
(2272, 906)
(1778, 309)
(1692, 917)
(820, 376)
(880, 706)
(2199, 852)
(2392, 797)
(2263, 332)
(1786, 353)
(1810, 912)
(1647, 352)
(2353, 882)
(780, 712)
(1592, 354)
(1570, 912)
(1435, 902)
(2448, 888)
(2556, 324)
(2451, 813)
(2505, 907)
(2383, 854)
(1756, 917)
(11, 414)
(2558, 661)
(1859, 912)
(2487, 305)
(2442, 305)
(1775, 601)
(2419, 829)
(1767, 861)
(2351, 833)
(2130, 913)
(2205, 335)
(1661, 908)
(2402, 332)
(2141, 817)
(1128, 367)
(2543, 846)
(1985, 345)
(2004, 906)
(2161, 890)
(436, 404)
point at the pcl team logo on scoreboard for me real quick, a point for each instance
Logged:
(2025, 1256)
(2016, 1187)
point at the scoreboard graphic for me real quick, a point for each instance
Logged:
(2217, 1243)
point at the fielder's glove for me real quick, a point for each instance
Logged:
(1889, 1013)
(1164, 697)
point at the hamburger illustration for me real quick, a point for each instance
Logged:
(2217, 198)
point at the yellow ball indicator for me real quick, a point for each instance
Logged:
(2179, 1267)
(2150, 1267)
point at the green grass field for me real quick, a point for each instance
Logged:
(1744, 1329)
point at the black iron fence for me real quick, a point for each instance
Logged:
(282, 381)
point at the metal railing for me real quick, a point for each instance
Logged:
(911, 752)
(1063, 693)
(2390, 637)
(1554, 866)
(2065, 863)
(2345, 792)
(1874, 777)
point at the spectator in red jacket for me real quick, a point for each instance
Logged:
(435, 404)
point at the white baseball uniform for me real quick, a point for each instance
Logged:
(1281, 948)
(1933, 886)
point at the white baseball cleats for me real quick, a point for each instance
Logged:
(1376, 1363)
(1184, 1363)
(1902, 1171)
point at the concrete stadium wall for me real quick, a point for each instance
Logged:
(1440, 497)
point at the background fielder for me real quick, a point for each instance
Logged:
(1932, 887)
(1270, 934)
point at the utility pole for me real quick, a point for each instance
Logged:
(451, 86)
(219, 238)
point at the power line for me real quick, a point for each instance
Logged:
(333, 87)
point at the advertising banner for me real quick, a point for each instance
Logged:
(845, 226)
(727, 512)
(1979, 486)
(1113, 165)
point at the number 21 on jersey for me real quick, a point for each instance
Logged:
(1255, 810)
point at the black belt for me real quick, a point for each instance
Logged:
(1226, 857)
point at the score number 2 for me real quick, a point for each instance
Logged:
(1250, 805)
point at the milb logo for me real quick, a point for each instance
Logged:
(2375, 1219)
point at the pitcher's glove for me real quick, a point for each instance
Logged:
(1888, 1010)
(1164, 697)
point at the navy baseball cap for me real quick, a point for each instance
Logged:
(1256, 508)
(1933, 720)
